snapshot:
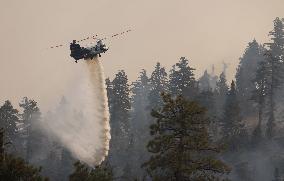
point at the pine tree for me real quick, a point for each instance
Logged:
(140, 91)
(52, 163)
(206, 99)
(246, 73)
(221, 86)
(258, 95)
(158, 84)
(275, 72)
(82, 172)
(57, 161)
(119, 122)
(180, 146)
(109, 92)
(233, 131)
(139, 125)
(121, 104)
(182, 81)
(204, 82)
(213, 78)
(8, 120)
(31, 119)
(13, 168)
(221, 92)
(2, 144)
(66, 164)
(273, 82)
(277, 36)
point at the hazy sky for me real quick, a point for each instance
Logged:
(205, 31)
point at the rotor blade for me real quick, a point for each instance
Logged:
(94, 37)
(61, 45)
(117, 34)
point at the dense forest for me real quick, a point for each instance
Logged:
(168, 125)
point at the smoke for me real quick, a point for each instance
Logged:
(257, 164)
(81, 121)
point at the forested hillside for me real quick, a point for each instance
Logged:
(167, 125)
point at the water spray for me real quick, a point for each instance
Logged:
(82, 124)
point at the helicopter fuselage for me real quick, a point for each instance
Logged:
(78, 52)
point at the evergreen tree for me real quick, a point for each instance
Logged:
(213, 78)
(158, 84)
(275, 72)
(109, 92)
(140, 91)
(119, 122)
(258, 95)
(204, 82)
(221, 86)
(66, 163)
(207, 100)
(13, 168)
(277, 36)
(52, 163)
(246, 74)
(57, 161)
(221, 92)
(182, 81)
(2, 144)
(274, 80)
(180, 145)
(82, 172)
(233, 132)
(139, 124)
(31, 119)
(121, 102)
(8, 120)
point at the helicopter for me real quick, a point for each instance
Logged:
(78, 52)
